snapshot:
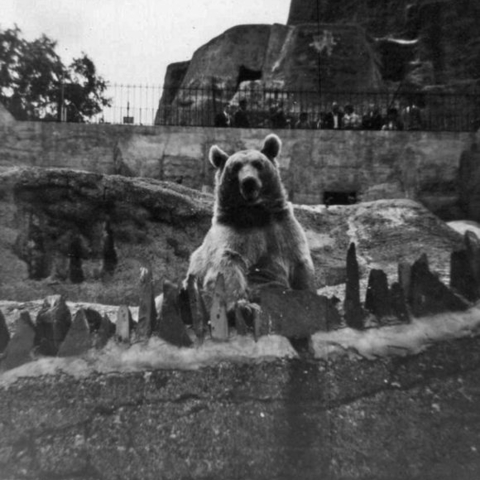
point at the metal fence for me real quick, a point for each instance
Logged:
(276, 108)
(131, 104)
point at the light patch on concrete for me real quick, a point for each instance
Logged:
(318, 241)
(156, 354)
(405, 339)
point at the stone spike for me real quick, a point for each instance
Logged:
(170, 326)
(196, 308)
(472, 244)
(124, 324)
(4, 333)
(398, 303)
(428, 295)
(147, 315)
(52, 324)
(218, 312)
(78, 339)
(94, 319)
(240, 324)
(377, 300)
(105, 332)
(354, 315)
(404, 276)
(20, 348)
(462, 278)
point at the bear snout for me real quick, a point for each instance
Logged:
(250, 188)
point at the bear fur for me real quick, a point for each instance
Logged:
(255, 239)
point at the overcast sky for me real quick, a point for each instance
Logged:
(133, 41)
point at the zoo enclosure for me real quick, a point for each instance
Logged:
(153, 104)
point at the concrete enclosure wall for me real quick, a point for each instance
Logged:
(372, 165)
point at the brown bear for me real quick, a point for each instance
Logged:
(255, 239)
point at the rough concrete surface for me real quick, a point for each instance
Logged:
(404, 418)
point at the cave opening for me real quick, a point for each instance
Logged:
(339, 198)
(247, 74)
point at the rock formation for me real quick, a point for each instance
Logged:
(446, 29)
(251, 58)
(87, 235)
(6, 118)
(329, 45)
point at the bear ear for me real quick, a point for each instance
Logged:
(217, 157)
(271, 146)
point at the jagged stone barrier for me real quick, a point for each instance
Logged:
(183, 320)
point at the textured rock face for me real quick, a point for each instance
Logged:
(442, 26)
(87, 235)
(268, 56)
(6, 118)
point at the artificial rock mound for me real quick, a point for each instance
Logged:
(87, 235)
(250, 58)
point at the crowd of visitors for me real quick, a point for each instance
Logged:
(336, 118)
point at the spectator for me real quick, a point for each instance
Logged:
(240, 119)
(321, 121)
(333, 119)
(412, 117)
(351, 119)
(372, 120)
(223, 119)
(393, 121)
(277, 118)
(303, 121)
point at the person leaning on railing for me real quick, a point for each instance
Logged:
(393, 121)
(240, 118)
(351, 119)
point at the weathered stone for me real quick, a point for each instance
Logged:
(294, 313)
(404, 275)
(170, 326)
(465, 268)
(218, 312)
(147, 315)
(52, 324)
(398, 303)
(94, 319)
(6, 118)
(124, 325)
(78, 339)
(20, 348)
(472, 244)
(197, 308)
(462, 279)
(428, 295)
(104, 333)
(240, 323)
(4, 333)
(354, 314)
(377, 299)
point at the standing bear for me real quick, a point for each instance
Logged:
(255, 239)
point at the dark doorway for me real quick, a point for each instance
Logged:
(246, 74)
(339, 198)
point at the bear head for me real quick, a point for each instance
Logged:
(248, 188)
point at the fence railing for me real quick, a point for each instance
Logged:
(275, 108)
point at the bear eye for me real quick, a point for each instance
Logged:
(257, 164)
(236, 167)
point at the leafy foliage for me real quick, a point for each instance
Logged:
(34, 82)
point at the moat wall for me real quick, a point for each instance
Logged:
(315, 163)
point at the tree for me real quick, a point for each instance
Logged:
(34, 82)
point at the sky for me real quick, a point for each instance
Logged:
(133, 41)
